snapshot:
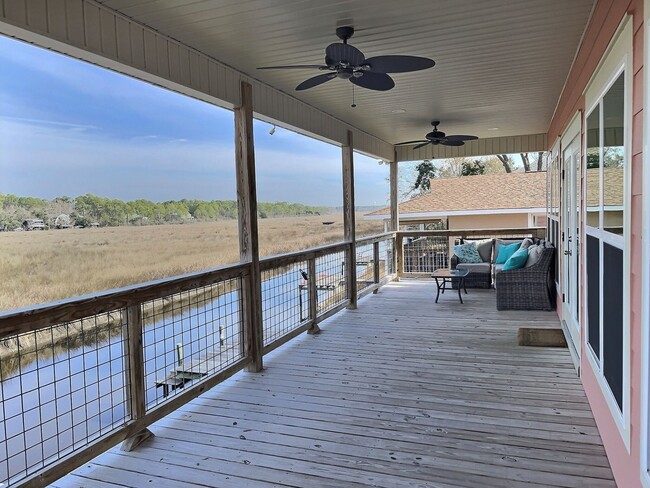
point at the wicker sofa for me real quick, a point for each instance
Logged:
(481, 274)
(528, 288)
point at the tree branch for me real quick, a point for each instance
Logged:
(505, 160)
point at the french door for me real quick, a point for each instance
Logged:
(570, 208)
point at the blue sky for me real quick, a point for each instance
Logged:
(71, 128)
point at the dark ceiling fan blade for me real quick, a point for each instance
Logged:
(422, 145)
(315, 81)
(408, 142)
(398, 64)
(343, 53)
(296, 66)
(446, 142)
(461, 138)
(374, 81)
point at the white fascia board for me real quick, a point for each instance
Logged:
(451, 213)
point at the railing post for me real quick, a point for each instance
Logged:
(349, 220)
(399, 253)
(134, 375)
(313, 297)
(375, 257)
(251, 312)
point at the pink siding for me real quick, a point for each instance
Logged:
(605, 19)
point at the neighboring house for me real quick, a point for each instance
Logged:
(495, 201)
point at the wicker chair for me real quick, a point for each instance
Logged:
(527, 288)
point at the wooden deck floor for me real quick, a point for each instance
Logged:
(399, 393)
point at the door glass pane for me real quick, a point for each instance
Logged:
(593, 293)
(592, 172)
(614, 156)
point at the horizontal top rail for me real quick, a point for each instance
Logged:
(40, 316)
(536, 231)
(287, 259)
(376, 238)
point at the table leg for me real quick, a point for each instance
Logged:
(438, 287)
(460, 282)
(444, 285)
(464, 286)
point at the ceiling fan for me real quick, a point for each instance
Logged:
(348, 63)
(436, 137)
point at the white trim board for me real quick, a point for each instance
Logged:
(645, 273)
(453, 213)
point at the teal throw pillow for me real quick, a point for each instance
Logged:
(517, 260)
(505, 251)
(467, 253)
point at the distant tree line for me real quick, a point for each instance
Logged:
(90, 209)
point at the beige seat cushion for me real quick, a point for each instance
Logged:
(475, 267)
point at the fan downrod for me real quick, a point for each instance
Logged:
(344, 33)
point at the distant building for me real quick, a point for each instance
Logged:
(494, 201)
(33, 224)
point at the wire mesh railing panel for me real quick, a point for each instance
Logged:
(189, 336)
(425, 254)
(365, 266)
(61, 388)
(285, 300)
(386, 261)
(331, 280)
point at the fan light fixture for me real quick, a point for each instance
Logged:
(346, 62)
(436, 137)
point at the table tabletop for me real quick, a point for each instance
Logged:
(450, 273)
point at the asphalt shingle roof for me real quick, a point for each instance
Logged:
(480, 192)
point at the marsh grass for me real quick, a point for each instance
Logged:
(39, 267)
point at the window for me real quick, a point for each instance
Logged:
(606, 160)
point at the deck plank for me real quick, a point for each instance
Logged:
(401, 392)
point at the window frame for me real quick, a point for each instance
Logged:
(617, 60)
(645, 272)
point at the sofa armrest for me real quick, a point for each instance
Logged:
(453, 262)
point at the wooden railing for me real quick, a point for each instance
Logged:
(420, 252)
(84, 374)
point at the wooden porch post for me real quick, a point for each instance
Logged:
(251, 310)
(394, 215)
(134, 371)
(349, 220)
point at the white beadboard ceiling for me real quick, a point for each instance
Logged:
(499, 63)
